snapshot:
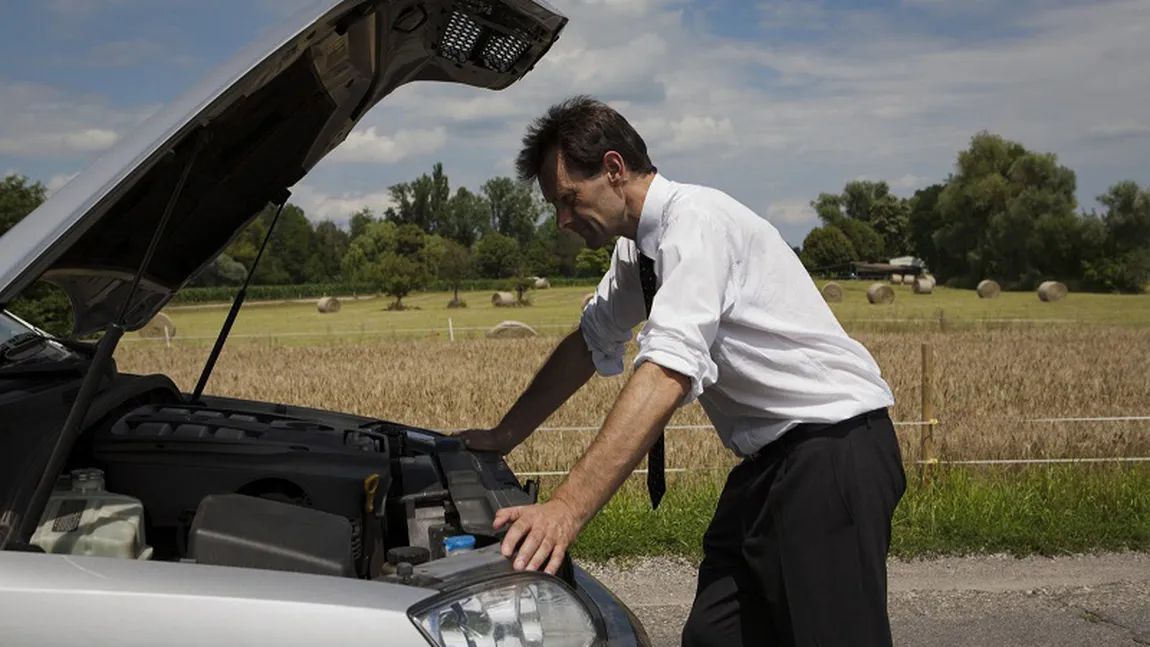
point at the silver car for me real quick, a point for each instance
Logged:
(133, 513)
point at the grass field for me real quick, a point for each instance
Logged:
(988, 378)
(558, 309)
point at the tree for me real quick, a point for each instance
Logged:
(422, 202)
(498, 256)
(562, 247)
(390, 258)
(868, 246)
(223, 270)
(331, 244)
(1121, 239)
(890, 219)
(515, 209)
(826, 247)
(18, 198)
(1007, 214)
(829, 208)
(455, 264)
(593, 262)
(466, 218)
(359, 222)
(42, 303)
(874, 219)
(922, 221)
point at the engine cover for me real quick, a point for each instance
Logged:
(172, 457)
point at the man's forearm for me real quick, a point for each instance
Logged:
(566, 370)
(642, 411)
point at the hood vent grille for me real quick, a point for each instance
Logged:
(476, 34)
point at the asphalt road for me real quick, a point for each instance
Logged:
(1094, 601)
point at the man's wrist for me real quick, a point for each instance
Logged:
(512, 431)
(577, 508)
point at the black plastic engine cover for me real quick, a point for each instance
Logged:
(244, 531)
(171, 457)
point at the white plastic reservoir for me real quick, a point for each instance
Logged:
(84, 519)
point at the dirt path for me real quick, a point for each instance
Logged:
(1094, 601)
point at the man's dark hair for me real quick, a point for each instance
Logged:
(585, 129)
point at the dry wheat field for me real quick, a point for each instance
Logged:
(985, 382)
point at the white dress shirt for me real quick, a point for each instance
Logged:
(737, 313)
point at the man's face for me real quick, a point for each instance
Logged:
(590, 206)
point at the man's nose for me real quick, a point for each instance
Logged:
(565, 217)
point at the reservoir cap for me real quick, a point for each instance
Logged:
(458, 542)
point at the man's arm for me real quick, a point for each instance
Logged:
(673, 367)
(605, 325)
(643, 408)
(566, 370)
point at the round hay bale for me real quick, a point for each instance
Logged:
(542, 284)
(922, 285)
(511, 330)
(587, 299)
(502, 299)
(154, 329)
(896, 279)
(988, 289)
(880, 294)
(1052, 291)
(832, 292)
(328, 305)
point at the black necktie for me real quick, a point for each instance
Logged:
(656, 478)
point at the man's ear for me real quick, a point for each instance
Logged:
(615, 167)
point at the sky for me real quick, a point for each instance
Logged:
(772, 102)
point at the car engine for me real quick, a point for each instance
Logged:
(261, 485)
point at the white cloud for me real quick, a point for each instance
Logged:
(90, 140)
(319, 205)
(891, 94)
(368, 146)
(791, 212)
(910, 181)
(41, 121)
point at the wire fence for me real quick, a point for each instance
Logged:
(927, 424)
(450, 330)
(905, 423)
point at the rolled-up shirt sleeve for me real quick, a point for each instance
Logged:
(615, 309)
(694, 264)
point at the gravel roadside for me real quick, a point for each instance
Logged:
(1095, 600)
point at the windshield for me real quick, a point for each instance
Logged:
(12, 329)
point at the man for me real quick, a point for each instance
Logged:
(796, 551)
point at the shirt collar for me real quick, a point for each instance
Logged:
(650, 230)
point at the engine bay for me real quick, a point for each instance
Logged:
(261, 485)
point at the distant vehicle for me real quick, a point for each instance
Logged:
(136, 514)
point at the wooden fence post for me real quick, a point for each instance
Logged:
(926, 436)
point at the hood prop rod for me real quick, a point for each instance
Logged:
(236, 303)
(27, 523)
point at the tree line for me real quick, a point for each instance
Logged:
(1005, 213)
(503, 231)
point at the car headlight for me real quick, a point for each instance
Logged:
(523, 611)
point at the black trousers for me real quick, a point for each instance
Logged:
(796, 552)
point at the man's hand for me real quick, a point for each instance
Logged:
(546, 529)
(645, 405)
(496, 439)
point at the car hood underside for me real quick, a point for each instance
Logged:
(237, 141)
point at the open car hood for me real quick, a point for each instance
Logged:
(249, 131)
